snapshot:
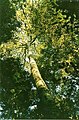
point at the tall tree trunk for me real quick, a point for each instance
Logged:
(46, 104)
(40, 84)
(36, 75)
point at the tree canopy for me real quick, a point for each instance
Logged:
(39, 60)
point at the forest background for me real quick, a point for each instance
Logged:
(39, 59)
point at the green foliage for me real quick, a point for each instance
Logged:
(53, 40)
(71, 7)
(15, 89)
(8, 21)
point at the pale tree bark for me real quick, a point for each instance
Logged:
(46, 103)
(36, 75)
(40, 84)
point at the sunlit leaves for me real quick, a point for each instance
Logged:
(53, 40)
